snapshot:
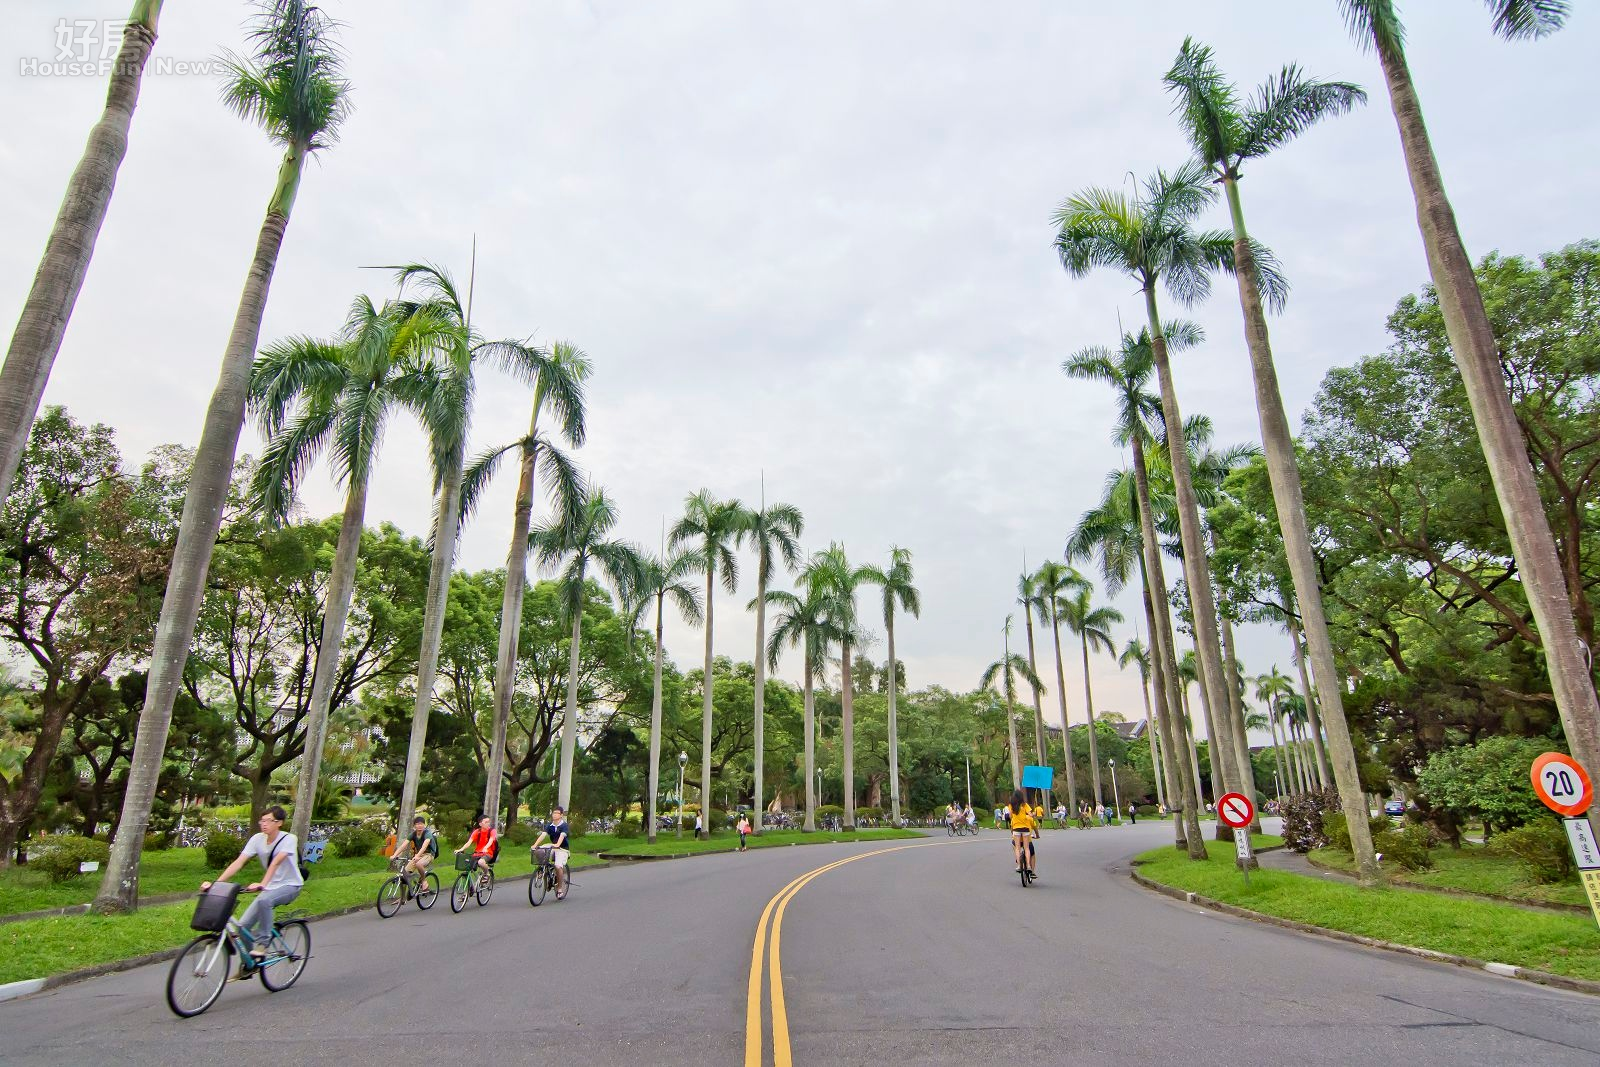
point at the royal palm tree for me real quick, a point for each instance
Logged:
(292, 86)
(899, 593)
(1093, 627)
(804, 623)
(558, 386)
(312, 397)
(1152, 239)
(1053, 583)
(839, 581)
(43, 322)
(1127, 371)
(1270, 689)
(1135, 654)
(574, 543)
(658, 579)
(1226, 131)
(1376, 25)
(1029, 600)
(710, 526)
(1006, 670)
(774, 530)
(1314, 697)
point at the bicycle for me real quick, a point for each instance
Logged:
(404, 887)
(543, 878)
(201, 969)
(1023, 870)
(479, 886)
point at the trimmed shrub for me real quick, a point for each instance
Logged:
(1407, 846)
(157, 842)
(1143, 810)
(1542, 846)
(630, 828)
(1335, 829)
(1302, 819)
(869, 813)
(578, 826)
(520, 834)
(354, 841)
(827, 811)
(58, 857)
(222, 847)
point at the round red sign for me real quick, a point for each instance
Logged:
(1235, 810)
(1562, 783)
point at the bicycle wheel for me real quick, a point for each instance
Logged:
(485, 888)
(537, 887)
(428, 891)
(391, 896)
(287, 955)
(459, 891)
(198, 975)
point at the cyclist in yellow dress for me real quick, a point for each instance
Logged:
(1024, 828)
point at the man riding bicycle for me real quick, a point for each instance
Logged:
(424, 846)
(279, 855)
(483, 842)
(558, 833)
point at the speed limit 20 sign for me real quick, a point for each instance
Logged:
(1562, 783)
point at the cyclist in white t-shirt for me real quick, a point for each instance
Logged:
(279, 854)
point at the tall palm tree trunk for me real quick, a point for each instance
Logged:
(809, 705)
(446, 525)
(209, 479)
(1011, 738)
(1155, 748)
(847, 728)
(1094, 748)
(1315, 720)
(1196, 565)
(1188, 791)
(1241, 739)
(505, 671)
(1283, 472)
(1219, 753)
(706, 707)
(569, 715)
(1298, 748)
(1066, 726)
(655, 728)
(1038, 709)
(336, 609)
(761, 705)
(894, 731)
(1277, 753)
(1477, 355)
(70, 246)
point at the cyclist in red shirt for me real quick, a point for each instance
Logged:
(483, 842)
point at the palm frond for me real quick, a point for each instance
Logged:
(1528, 19)
(1286, 106)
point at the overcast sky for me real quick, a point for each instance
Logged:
(811, 240)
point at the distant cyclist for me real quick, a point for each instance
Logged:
(424, 845)
(559, 834)
(1023, 830)
(483, 842)
(279, 856)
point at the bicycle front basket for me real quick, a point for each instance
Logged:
(465, 862)
(215, 907)
(543, 853)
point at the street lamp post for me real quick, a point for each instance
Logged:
(819, 787)
(1116, 794)
(683, 761)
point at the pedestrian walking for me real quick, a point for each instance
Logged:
(1133, 815)
(744, 832)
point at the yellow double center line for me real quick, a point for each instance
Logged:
(773, 914)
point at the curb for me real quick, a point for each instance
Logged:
(30, 986)
(83, 909)
(1504, 970)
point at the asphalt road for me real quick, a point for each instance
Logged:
(928, 954)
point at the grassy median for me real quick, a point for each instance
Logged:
(1470, 869)
(38, 948)
(1503, 933)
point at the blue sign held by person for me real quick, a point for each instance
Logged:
(1038, 777)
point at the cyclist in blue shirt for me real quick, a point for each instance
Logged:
(559, 834)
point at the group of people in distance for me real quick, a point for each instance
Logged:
(484, 845)
(956, 815)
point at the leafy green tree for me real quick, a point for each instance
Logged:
(54, 292)
(292, 86)
(1488, 781)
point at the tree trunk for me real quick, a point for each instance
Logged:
(894, 731)
(1188, 785)
(209, 480)
(655, 727)
(1241, 738)
(1277, 753)
(444, 554)
(569, 715)
(1196, 562)
(336, 609)
(1038, 711)
(761, 704)
(808, 698)
(1150, 734)
(705, 710)
(18, 803)
(70, 246)
(1214, 753)
(1066, 726)
(1011, 738)
(1094, 748)
(505, 673)
(1170, 752)
(1313, 698)
(847, 727)
(1477, 355)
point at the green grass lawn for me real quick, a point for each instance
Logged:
(1503, 933)
(1471, 869)
(37, 948)
(668, 845)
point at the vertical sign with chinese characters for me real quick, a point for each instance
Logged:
(1587, 856)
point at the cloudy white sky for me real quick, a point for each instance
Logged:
(806, 240)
